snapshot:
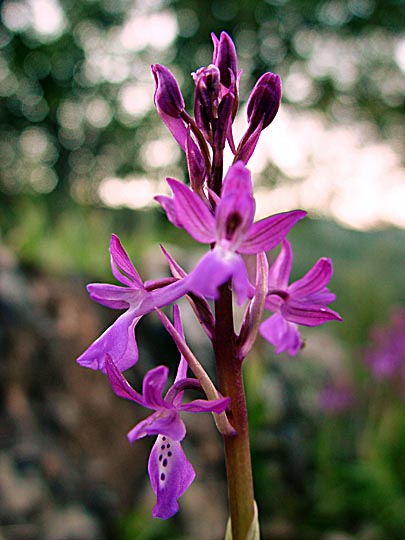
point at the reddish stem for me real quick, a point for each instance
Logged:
(237, 448)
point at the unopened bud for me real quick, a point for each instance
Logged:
(206, 98)
(264, 101)
(168, 98)
(225, 58)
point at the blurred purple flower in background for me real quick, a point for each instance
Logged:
(386, 355)
(336, 398)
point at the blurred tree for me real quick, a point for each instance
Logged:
(76, 90)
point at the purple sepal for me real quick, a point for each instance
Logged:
(167, 203)
(307, 314)
(266, 234)
(171, 474)
(192, 213)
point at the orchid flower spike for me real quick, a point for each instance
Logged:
(303, 302)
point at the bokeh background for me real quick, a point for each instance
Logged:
(82, 153)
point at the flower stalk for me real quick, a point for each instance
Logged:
(237, 448)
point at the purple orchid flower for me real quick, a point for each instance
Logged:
(303, 302)
(118, 340)
(231, 228)
(170, 472)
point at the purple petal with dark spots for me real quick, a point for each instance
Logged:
(171, 474)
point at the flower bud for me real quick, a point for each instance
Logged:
(264, 101)
(224, 57)
(206, 98)
(169, 103)
(168, 98)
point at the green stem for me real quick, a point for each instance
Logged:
(237, 448)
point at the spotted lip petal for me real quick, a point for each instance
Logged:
(171, 474)
(164, 421)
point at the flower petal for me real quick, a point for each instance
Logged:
(216, 268)
(314, 280)
(118, 341)
(119, 383)
(152, 387)
(163, 421)
(280, 270)
(114, 296)
(170, 474)
(302, 312)
(121, 264)
(192, 213)
(167, 203)
(238, 179)
(234, 216)
(266, 234)
(203, 405)
(282, 334)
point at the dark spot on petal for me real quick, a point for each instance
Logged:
(232, 223)
(163, 447)
(162, 476)
(164, 463)
(163, 438)
(169, 454)
(160, 457)
(168, 445)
